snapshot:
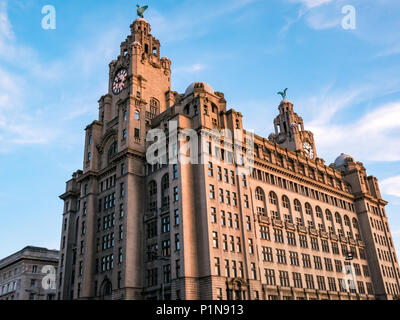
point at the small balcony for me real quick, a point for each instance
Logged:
(150, 214)
(352, 241)
(290, 226)
(277, 222)
(164, 208)
(342, 238)
(333, 236)
(323, 234)
(313, 231)
(301, 228)
(263, 219)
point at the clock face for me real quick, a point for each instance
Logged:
(119, 81)
(308, 150)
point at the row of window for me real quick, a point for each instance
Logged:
(232, 268)
(309, 282)
(291, 239)
(227, 176)
(294, 259)
(300, 189)
(152, 274)
(224, 196)
(273, 200)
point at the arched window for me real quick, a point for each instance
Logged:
(285, 202)
(107, 288)
(214, 108)
(338, 218)
(328, 215)
(318, 212)
(273, 199)
(186, 109)
(154, 107)
(355, 224)
(137, 115)
(297, 205)
(308, 208)
(346, 221)
(113, 150)
(165, 190)
(259, 194)
(152, 189)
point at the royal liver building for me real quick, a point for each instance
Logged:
(243, 217)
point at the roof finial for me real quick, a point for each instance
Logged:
(141, 10)
(283, 94)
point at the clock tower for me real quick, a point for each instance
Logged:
(290, 133)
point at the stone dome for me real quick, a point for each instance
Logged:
(202, 85)
(141, 19)
(342, 160)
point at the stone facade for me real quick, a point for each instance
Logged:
(22, 273)
(289, 228)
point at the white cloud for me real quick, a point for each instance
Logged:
(311, 3)
(391, 186)
(5, 25)
(375, 136)
(320, 21)
(194, 68)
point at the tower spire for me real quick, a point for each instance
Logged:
(289, 130)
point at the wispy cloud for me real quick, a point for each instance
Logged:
(192, 19)
(311, 3)
(391, 186)
(194, 68)
(375, 136)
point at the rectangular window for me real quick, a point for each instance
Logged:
(165, 224)
(284, 278)
(278, 235)
(309, 281)
(270, 277)
(291, 238)
(306, 260)
(215, 239)
(166, 248)
(177, 243)
(281, 256)
(294, 258)
(212, 192)
(122, 190)
(267, 254)
(321, 283)
(176, 217)
(217, 267)
(297, 280)
(317, 263)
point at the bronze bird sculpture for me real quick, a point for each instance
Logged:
(283, 94)
(141, 10)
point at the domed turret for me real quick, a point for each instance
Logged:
(201, 85)
(342, 160)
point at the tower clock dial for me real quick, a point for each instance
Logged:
(308, 150)
(119, 81)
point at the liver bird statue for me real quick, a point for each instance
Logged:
(141, 10)
(283, 94)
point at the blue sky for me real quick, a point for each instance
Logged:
(344, 83)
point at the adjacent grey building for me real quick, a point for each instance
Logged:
(22, 274)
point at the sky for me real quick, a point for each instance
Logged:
(344, 82)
